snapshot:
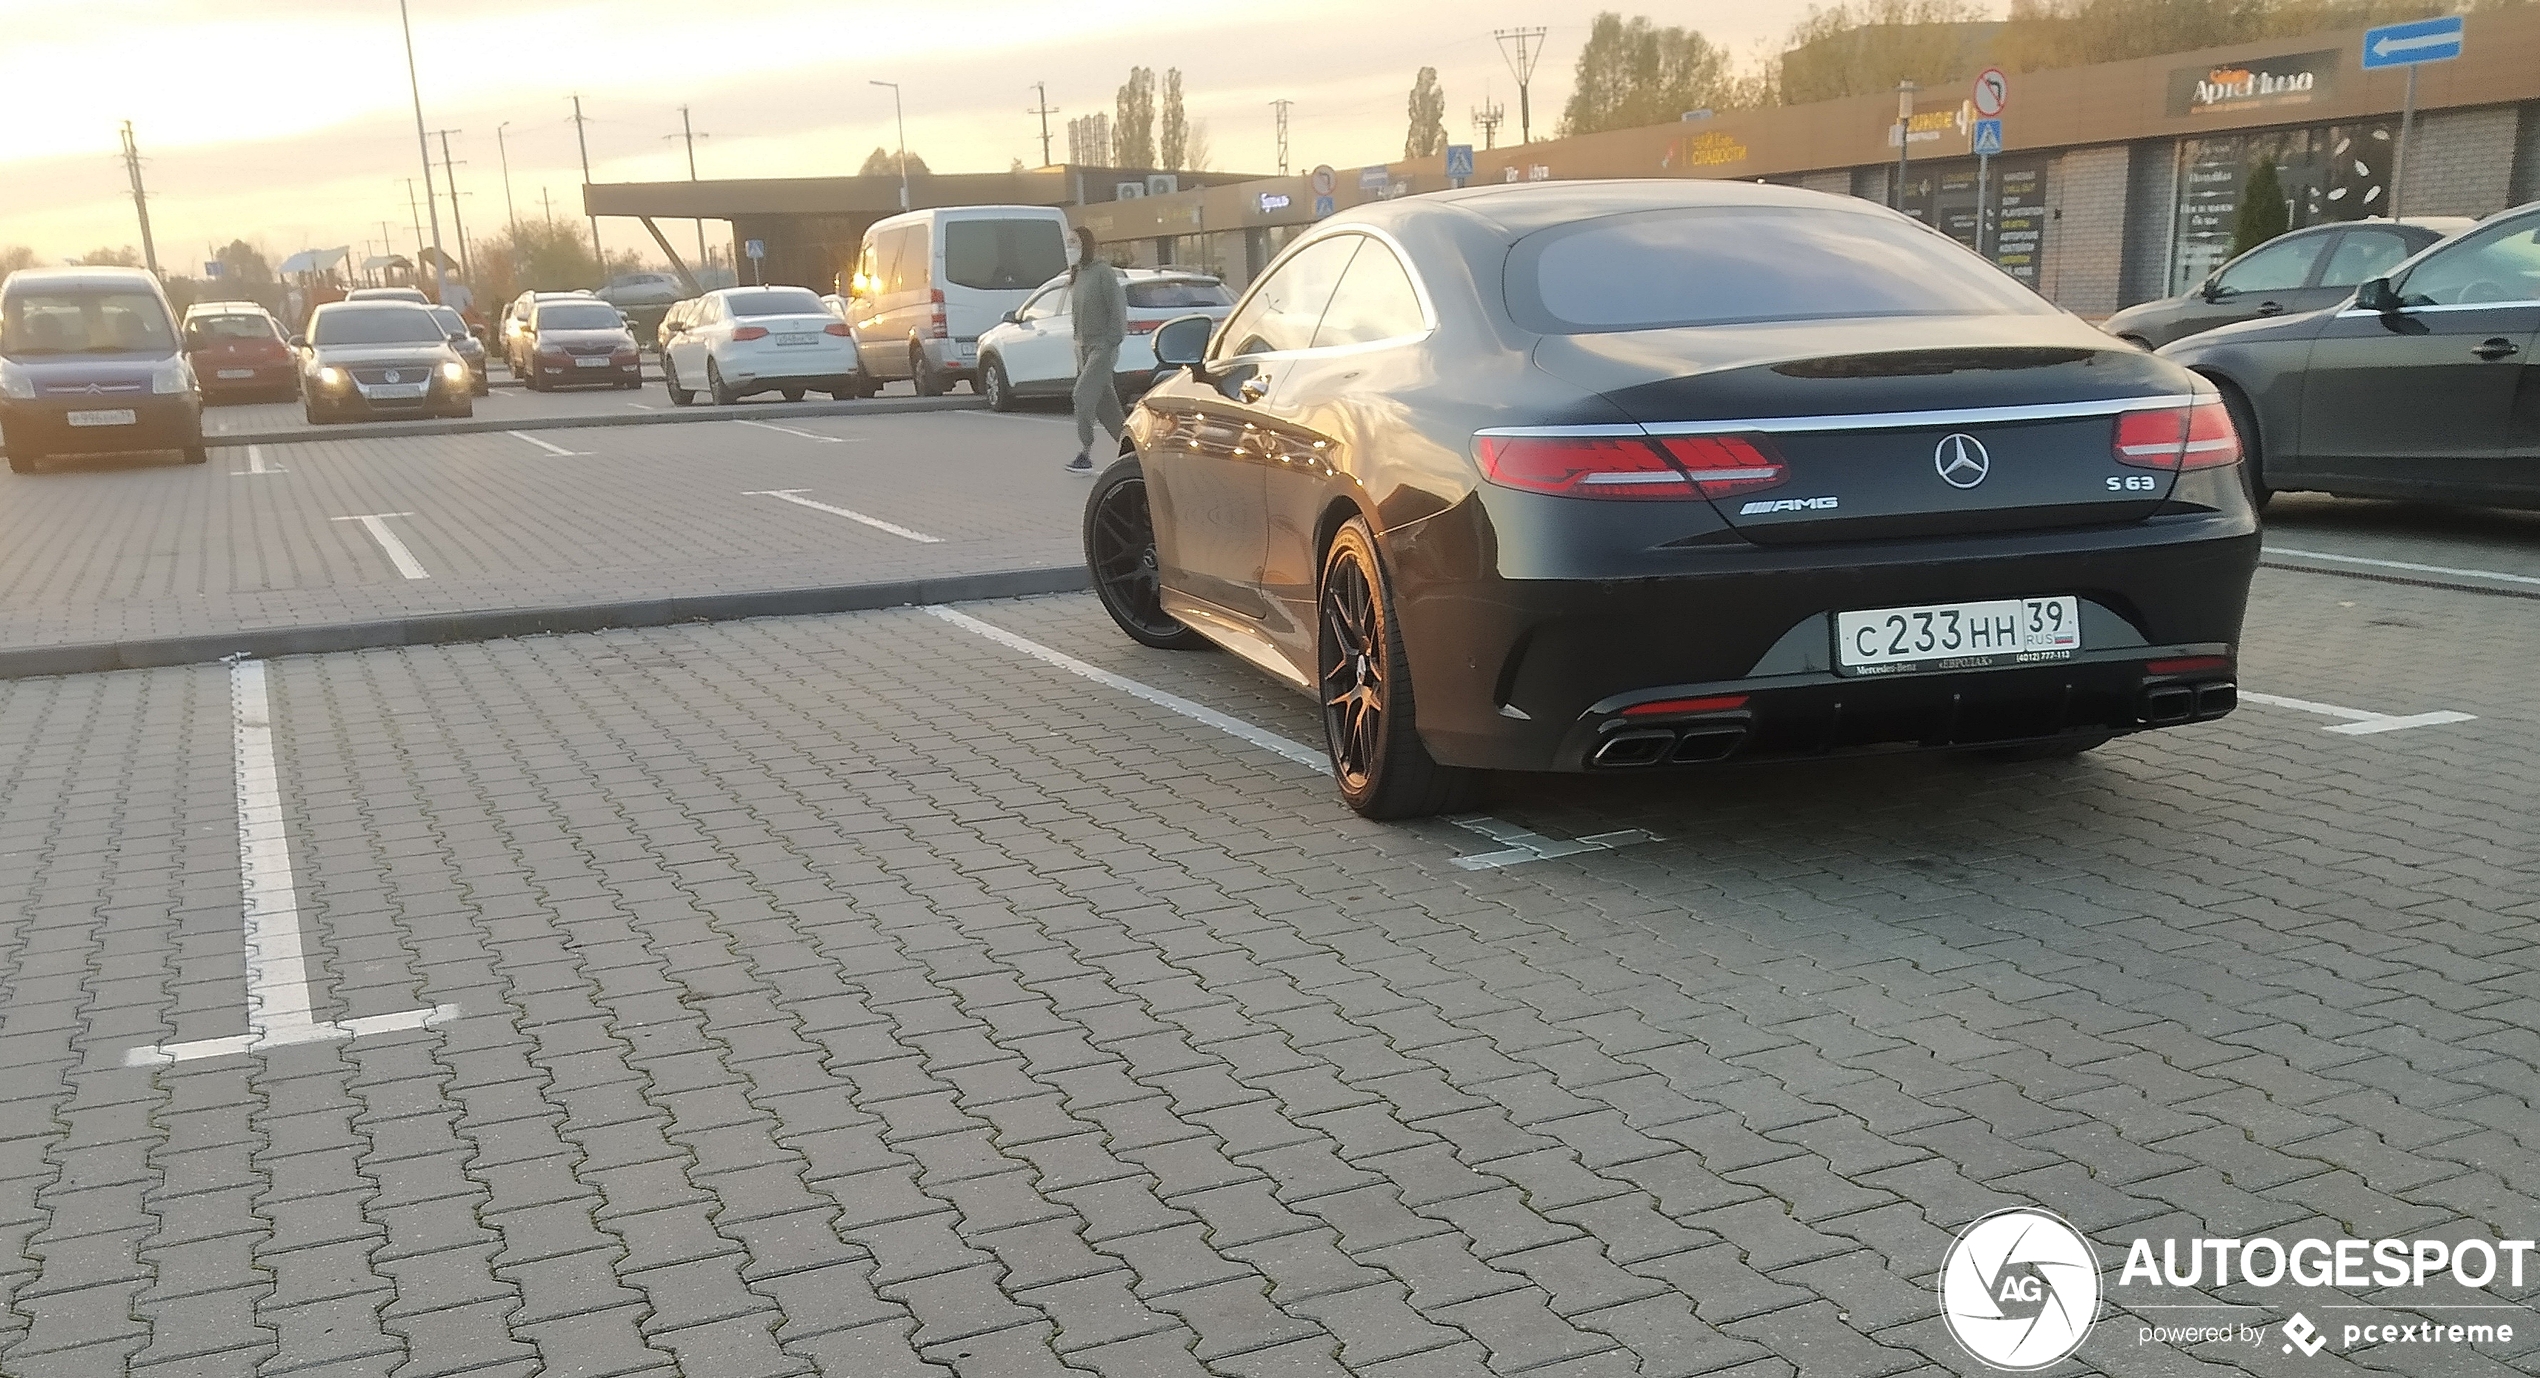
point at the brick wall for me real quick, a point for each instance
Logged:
(2461, 162)
(2086, 196)
(2526, 183)
(2152, 177)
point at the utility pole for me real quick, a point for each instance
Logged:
(548, 201)
(1904, 141)
(417, 212)
(585, 145)
(1522, 48)
(1487, 117)
(440, 271)
(1282, 107)
(1044, 110)
(141, 199)
(510, 217)
(387, 239)
(689, 133)
(467, 264)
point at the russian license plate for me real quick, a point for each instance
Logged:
(1957, 636)
(391, 392)
(591, 363)
(125, 417)
(235, 373)
(803, 338)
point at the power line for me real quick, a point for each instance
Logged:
(688, 133)
(1487, 117)
(1522, 48)
(140, 198)
(1282, 107)
(1044, 110)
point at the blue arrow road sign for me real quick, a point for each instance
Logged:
(2427, 40)
(1459, 160)
(1988, 137)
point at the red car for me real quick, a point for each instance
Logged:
(238, 353)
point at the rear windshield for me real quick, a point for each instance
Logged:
(1004, 255)
(577, 315)
(386, 323)
(775, 301)
(70, 321)
(1651, 270)
(1154, 295)
(233, 327)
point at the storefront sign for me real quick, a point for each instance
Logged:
(1710, 148)
(2258, 84)
(2018, 240)
(1929, 125)
(1273, 201)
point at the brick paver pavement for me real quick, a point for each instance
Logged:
(855, 995)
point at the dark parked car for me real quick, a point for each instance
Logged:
(380, 359)
(579, 342)
(91, 363)
(2426, 385)
(1631, 475)
(471, 349)
(239, 354)
(2306, 270)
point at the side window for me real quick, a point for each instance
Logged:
(2362, 254)
(909, 271)
(1375, 301)
(1287, 304)
(2278, 267)
(865, 284)
(1050, 301)
(2497, 264)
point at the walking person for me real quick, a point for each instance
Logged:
(1100, 303)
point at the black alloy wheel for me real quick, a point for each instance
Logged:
(1120, 553)
(1363, 677)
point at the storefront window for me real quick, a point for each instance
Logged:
(2332, 172)
(2013, 198)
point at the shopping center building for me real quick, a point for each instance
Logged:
(2117, 183)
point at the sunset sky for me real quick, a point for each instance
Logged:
(288, 122)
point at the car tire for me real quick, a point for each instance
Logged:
(1363, 679)
(791, 394)
(23, 460)
(484, 388)
(865, 385)
(312, 415)
(2051, 749)
(465, 409)
(1120, 555)
(2253, 474)
(993, 382)
(198, 452)
(721, 391)
(927, 381)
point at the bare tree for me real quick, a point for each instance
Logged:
(14, 257)
(1196, 154)
(1427, 138)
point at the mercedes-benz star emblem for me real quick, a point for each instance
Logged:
(1961, 460)
(392, 377)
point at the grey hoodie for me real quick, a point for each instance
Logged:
(1100, 303)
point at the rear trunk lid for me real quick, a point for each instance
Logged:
(1895, 427)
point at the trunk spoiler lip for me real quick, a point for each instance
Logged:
(1862, 421)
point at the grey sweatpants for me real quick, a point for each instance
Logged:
(1097, 396)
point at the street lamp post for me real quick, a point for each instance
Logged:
(1904, 138)
(423, 145)
(902, 119)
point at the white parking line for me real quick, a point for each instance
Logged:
(280, 1007)
(788, 430)
(1015, 416)
(376, 523)
(794, 496)
(256, 464)
(642, 406)
(2496, 575)
(1520, 846)
(551, 449)
(2359, 722)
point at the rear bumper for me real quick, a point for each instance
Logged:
(1535, 674)
(42, 427)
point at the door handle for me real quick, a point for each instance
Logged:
(1253, 389)
(2270, 308)
(2496, 349)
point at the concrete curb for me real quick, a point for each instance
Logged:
(494, 624)
(380, 430)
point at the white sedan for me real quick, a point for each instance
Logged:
(736, 341)
(1033, 353)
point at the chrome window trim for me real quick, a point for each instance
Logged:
(1865, 421)
(2522, 304)
(1401, 256)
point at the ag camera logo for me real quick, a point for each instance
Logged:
(2020, 1289)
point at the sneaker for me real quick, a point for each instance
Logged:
(1082, 464)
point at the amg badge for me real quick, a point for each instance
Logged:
(1789, 505)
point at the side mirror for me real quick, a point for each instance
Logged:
(1013, 318)
(299, 342)
(2376, 294)
(2211, 289)
(1182, 342)
(460, 337)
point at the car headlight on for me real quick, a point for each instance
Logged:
(333, 377)
(171, 377)
(455, 371)
(16, 382)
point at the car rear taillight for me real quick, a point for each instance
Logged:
(1628, 467)
(834, 328)
(2176, 438)
(1143, 327)
(750, 332)
(942, 327)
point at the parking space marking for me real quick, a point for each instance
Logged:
(2496, 575)
(641, 406)
(1268, 741)
(788, 430)
(549, 447)
(280, 1007)
(794, 496)
(1519, 846)
(256, 464)
(2359, 722)
(376, 523)
(1015, 416)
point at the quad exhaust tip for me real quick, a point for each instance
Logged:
(1694, 745)
(2165, 704)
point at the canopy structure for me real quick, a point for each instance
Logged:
(381, 262)
(315, 260)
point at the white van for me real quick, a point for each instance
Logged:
(928, 283)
